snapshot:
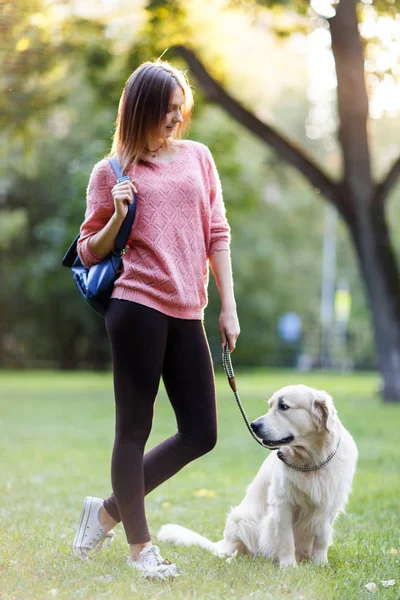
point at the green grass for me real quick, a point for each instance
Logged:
(55, 447)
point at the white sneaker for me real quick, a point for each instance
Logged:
(90, 533)
(152, 564)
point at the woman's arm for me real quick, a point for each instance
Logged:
(106, 208)
(102, 242)
(220, 262)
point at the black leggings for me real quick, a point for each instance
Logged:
(146, 344)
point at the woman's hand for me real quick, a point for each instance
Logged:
(229, 327)
(122, 195)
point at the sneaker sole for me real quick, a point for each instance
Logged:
(77, 545)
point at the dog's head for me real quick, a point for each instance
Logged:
(297, 414)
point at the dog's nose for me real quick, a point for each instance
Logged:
(255, 425)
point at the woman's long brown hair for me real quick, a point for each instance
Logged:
(143, 107)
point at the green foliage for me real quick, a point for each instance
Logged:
(302, 6)
(388, 7)
(277, 236)
(60, 96)
(41, 185)
(12, 227)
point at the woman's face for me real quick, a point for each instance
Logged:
(174, 115)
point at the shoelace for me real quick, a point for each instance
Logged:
(97, 547)
(153, 558)
(110, 537)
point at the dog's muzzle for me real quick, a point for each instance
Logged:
(258, 428)
(278, 443)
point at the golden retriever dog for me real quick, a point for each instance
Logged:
(290, 506)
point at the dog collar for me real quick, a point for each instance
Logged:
(313, 467)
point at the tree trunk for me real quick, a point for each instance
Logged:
(381, 278)
(365, 217)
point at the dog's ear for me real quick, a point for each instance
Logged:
(322, 410)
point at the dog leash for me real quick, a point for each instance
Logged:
(227, 363)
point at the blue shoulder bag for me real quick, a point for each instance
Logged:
(96, 284)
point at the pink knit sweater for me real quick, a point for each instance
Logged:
(180, 221)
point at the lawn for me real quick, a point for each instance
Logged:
(55, 446)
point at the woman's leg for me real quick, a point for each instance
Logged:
(138, 337)
(189, 380)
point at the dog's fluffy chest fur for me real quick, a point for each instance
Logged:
(325, 488)
(306, 499)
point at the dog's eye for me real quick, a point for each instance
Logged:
(283, 406)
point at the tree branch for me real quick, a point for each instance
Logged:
(382, 189)
(285, 148)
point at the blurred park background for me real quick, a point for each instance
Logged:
(285, 95)
(299, 103)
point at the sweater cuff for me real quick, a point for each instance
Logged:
(219, 245)
(86, 254)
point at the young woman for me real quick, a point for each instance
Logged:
(155, 316)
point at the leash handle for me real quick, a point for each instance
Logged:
(227, 363)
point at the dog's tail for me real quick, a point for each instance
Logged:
(181, 536)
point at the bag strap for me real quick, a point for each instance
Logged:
(125, 229)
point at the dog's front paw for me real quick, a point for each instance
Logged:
(319, 558)
(288, 561)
